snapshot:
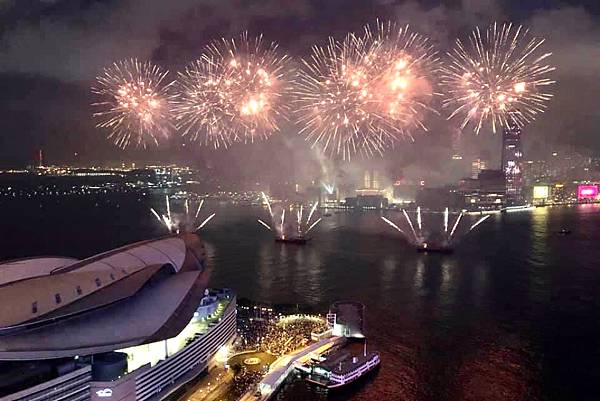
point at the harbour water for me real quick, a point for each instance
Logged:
(512, 314)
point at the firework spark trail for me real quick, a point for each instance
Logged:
(235, 92)
(135, 103)
(301, 226)
(311, 212)
(264, 224)
(364, 93)
(446, 220)
(498, 79)
(156, 215)
(299, 215)
(266, 199)
(478, 222)
(410, 224)
(168, 223)
(329, 188)
(177, 223)
(209, 218)
(199, 207)
(168, 202)
(391, 223)
(455, 225)
(447, 237)
(314, 224)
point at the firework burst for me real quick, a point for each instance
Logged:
(182, 222)
(135, 103)
(423, 231)
(235, 92)
(291, 228)
(407, 68)
(364, 93)
(499, 78)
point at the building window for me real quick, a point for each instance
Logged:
(57, 298)
(112, 277)
(79, 292)
(34, 307)
(98, 282)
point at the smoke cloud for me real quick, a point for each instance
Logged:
(47, 44)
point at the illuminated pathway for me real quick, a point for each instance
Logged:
(212, 387)
(282, 367)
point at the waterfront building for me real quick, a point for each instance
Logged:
(476, 167)
(487, 192)
(134, 323)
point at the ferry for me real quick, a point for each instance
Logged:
(341, 368)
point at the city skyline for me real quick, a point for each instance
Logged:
(310, 200)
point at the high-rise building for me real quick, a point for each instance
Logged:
(512, 163)
(367, 179)
(476, 166)
(371, 179)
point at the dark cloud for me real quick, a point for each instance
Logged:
(72, 44)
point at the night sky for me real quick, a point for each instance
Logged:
(52, 49)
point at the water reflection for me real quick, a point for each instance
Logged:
(512, 314)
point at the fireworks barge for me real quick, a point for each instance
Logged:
(340, 368)
(425, 247)
(292, 240)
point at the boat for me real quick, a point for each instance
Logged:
(564, 231)
(425, 247)
(292, 240)
(341, 369)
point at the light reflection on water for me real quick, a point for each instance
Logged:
(467, 326)
(513, 314)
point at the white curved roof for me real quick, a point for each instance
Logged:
(49, 284)
(33, 267)
(116, 326)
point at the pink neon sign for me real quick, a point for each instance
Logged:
(587, 191)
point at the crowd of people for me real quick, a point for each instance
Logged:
(289, 334)
(244, 381)
(262, 329)
(253, 324)
(276, 334)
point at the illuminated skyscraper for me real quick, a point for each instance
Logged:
(367, 179)
(371, 179)
(512, 164)
(476, 166)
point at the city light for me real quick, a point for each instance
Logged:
(541, 192)
(587, 192)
